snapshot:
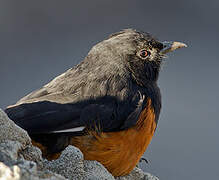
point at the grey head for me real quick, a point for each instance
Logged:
(129, 50)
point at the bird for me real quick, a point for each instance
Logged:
(108, 105)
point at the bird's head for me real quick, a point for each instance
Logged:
(140, 52)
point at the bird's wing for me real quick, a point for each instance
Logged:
(104, 114)
(44, 116)
(62, 89)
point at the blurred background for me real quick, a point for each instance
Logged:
(41, 39)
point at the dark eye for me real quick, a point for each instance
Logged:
(144, 53)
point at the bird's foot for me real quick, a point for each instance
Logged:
(143, 160)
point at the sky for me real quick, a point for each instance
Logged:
(41, 39)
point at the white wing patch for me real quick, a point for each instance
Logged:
(77, 129)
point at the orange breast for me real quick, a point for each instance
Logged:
(120, 151)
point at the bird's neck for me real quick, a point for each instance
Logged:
(144, 73)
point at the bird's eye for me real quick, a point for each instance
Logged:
(144, 53)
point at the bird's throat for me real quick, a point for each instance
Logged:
(144, 73)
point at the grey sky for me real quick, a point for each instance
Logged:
(41, 39)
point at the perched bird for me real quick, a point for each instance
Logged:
(108, 105)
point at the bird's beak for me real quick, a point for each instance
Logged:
(171, 46)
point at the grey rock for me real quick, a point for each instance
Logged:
(69, 164)
(8, 173)
(32, 153)
(9, 151)
(138, 174)
(94, 168)
(10, 131)
(19, 159)
(13, 166)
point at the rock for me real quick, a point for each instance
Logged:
(9, 173)
(69, 164)
(138, 174)
(13, 166)
(9, 151)
(72, 166)
(94, 168)
(10, 131)
(19, 159)
(32, 153)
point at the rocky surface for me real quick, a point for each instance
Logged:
(20, 160)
